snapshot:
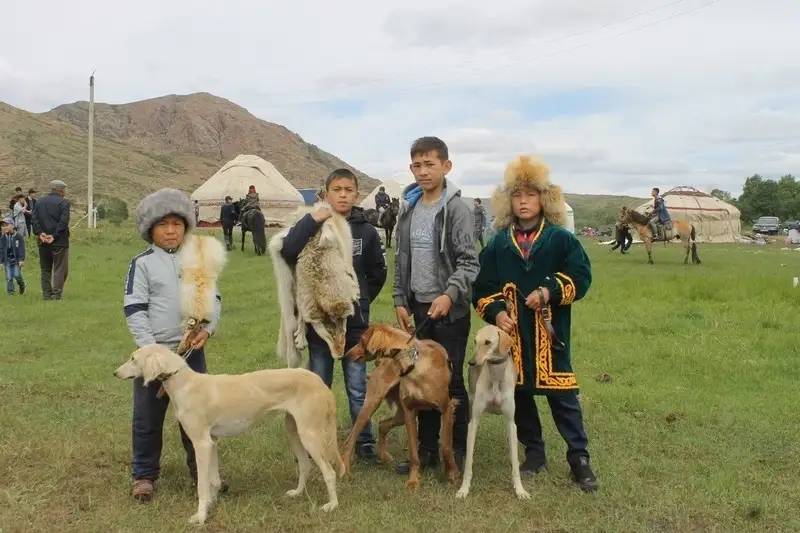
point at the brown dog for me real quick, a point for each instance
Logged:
(411, 375)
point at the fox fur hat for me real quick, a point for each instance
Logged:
(160, 204)
(527, 172)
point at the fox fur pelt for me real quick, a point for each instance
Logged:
(201, 260)
(320, 291)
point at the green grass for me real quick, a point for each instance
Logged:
(697, 431)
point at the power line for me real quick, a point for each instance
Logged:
(513, 64)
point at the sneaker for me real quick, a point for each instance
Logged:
(21, 290)
(583, 476)
(426, 460)
(366, 451)
(533, 466)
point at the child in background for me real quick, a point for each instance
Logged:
(341, 192)
(12, 256)
(531, 272)
(152, 310)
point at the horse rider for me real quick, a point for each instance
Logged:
(250, 201)
(660, 219)
(382, 202)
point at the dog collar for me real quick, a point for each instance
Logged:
(413, 355)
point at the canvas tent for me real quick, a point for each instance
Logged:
(713, 219)
(393, 188)
(278, 198)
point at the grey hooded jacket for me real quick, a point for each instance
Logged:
(457, 260)
(152, 286)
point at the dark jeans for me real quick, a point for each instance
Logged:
(624, 239)
(453, 336)
(227, 234)
(355, 373)
(54, 263)
(479, 238)
(568, 417)
(148, 425)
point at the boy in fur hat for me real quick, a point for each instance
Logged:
(152, 310)
(531, 272)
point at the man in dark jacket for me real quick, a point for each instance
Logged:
(51, 227)
(370, 267)
(31, 200)
(227, 217)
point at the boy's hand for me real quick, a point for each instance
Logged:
(440, 307)
(402, 318)
(504, 322)
(321, 215)
(199, 340)
(21, 264)
(532, 301)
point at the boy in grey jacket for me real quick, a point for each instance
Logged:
(435, 266)
(151, 302)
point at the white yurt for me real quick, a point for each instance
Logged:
(713, 219)
(570, 218)
(278, 198)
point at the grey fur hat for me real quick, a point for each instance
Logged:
(159, 204)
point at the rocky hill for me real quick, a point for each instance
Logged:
(208, 127)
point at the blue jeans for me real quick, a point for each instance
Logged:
(13, 272)
(355, 374)
(148, 425)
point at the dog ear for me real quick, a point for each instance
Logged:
(156, 362)
(503, 342)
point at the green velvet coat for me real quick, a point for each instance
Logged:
(556, 261)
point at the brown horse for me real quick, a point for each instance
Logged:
(680, 229)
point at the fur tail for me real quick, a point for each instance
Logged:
(284, 278)
(202, 259)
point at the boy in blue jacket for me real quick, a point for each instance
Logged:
(12, 256)
(341, 191)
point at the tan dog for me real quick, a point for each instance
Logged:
(212, 406)
(412, 375)
(492, 380)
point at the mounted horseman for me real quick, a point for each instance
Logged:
(382, 203)
(660, 221)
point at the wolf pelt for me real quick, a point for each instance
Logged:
(201, 260)
(320, 291)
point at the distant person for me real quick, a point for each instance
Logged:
(227, 217)
(14, 197)
(382, 202)
(480, 220)
(19, 213)
(196, 212)
(12, 256)
(251, 201)
(660, 219)
(51, 226)
(622, 235)
(31, 199)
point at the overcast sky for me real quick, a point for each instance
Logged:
(617, 95)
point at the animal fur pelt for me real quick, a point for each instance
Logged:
(201, 260)
(319, 291)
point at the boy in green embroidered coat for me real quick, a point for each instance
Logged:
(531, 272)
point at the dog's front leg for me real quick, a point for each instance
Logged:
(203, 450)
(411, 427)
(472, 433)
(511, 427)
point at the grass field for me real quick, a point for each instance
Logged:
(697, 431)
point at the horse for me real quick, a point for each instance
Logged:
(388, 221)
(680, 229)
(252, 221)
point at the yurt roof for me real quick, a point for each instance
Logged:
(686, 198)
(236, 176)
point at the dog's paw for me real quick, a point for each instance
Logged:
(294, 492)
(522, 494)
(412, 484)
(197, 519)
(462, 493)
(328, 507)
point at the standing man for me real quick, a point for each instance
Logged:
(51, 227)
(480, 221)
(196, 212)
(435, 266)
(31, 200)
(227, 217)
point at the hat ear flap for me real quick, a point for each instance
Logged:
(553, 205)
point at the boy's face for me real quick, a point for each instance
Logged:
(342, 195)
(653, 193)
(527, 204)
(429, 171)
(8, 228)
(168, 232)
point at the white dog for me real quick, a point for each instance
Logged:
(492, 380)
(211, 406)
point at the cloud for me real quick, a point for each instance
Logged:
(618, 96)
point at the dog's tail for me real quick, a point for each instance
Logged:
(284, 279)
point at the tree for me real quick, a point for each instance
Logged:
(766, 197)
(725, 196)
(116, 210)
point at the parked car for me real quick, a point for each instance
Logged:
(767, 226)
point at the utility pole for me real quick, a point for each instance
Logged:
(90, 205)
